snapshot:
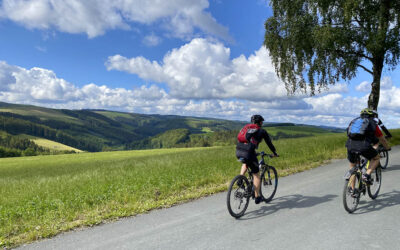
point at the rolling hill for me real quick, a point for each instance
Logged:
(102, 130)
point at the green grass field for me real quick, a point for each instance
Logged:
(293, 130)
(43, 195)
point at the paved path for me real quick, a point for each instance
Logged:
(306, 213)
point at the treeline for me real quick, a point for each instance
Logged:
(12, 146)
(14, 125)
(179, 138)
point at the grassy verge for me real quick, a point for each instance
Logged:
(44, 195)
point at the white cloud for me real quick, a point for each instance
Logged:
(364, 87)
(386, 83)
(95, 17)
(42, 87)
(35, 84)
(203, 69)
(151, 40)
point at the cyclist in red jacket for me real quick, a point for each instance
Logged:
(246, 152)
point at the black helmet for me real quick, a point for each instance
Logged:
(257, 119)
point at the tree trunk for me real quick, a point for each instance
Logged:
(379, 54)
(373, 99)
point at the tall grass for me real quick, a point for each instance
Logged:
(44, 195)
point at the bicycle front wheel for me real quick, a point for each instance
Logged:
(374, 188)
(269, 183)
(238, 197)
(384, 158)
(352, 193)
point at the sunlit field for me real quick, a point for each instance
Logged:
(41, 196)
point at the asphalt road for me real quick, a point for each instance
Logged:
(306, 213)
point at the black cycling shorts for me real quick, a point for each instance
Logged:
(252, 163)
(368, 153)
(246, 154)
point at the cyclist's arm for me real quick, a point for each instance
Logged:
(382, 140)
(269, 142)
(385, 130)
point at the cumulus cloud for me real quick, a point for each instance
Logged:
(364, 87)
(386, 83)
(42, 87)
(95, 17)
(34, 84)
(203, 69)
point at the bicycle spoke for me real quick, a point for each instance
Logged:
(269, 183)
(237, 197)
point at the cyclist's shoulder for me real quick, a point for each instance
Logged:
(263, 131)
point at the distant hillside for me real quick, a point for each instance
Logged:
(102, 130)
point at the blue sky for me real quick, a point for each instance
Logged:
(184, 57)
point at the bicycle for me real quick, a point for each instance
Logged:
(384, 155)
(355, 186)
(241, 188)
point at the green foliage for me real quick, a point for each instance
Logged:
(183, 137)
(12, 146)
(329, 40)
(99, 130)
(169, 139)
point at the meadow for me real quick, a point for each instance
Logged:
(42, 196)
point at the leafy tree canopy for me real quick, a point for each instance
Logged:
(323, 41)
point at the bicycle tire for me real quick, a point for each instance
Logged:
(373, 190)
(384, 159)
(238, 194)
(351, 200)
(269, 183)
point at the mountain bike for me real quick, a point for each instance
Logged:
(384, 154)
(241, 188)
(355, 185)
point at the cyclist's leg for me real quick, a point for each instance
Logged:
(352, 157)
(373, 156)
(243, 169)
(257, 181)
(253, 164)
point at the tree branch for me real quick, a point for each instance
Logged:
(364, 68)
(343, 53)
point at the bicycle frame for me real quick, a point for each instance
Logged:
(262, 166)
(360, 165)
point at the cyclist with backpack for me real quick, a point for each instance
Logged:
(248, 139)
(363, 134)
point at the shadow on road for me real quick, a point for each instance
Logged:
(383, 201)
(392, 168)
(288, 202)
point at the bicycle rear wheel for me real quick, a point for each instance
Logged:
(238, 196)
(373, 190)
(351, 192)
(269, 183)
(384, 158)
